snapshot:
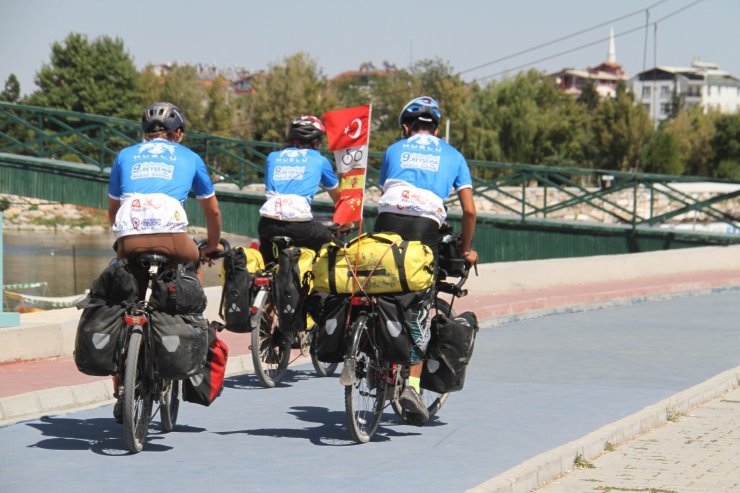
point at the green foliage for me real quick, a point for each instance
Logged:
(97, 77)
(692, 132)
(726, 146)
(289, 89)
(12, 90)
(179, 86)
(620, 129)
(662, 155)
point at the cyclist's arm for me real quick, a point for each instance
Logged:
(334, 194)
(213, 224)
(468, 224)
(113, 206)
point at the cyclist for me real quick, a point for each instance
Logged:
(148, 184)
(417, 174)
(292, 176)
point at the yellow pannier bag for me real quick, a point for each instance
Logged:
(385, 264)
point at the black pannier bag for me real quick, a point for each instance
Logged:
(178, 291)
(449, 352)
(97, 338)
(290, 291)
(236, 297)
(115, 285)
(205, 386)
(180, 344)
(99, 329)
(332, 327)
(392, 331)
(451, 259)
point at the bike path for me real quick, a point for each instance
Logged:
(532, 386)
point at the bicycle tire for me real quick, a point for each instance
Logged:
(322, 369)
(137, 397)
(169, 405)
(433, 400)
(365, 398)
(270, 348)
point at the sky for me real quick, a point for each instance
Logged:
(481, 40)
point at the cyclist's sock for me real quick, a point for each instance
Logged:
(414, 382)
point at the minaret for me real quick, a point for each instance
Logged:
(611, 56)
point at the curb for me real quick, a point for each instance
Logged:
(72, 398)
(541, 469)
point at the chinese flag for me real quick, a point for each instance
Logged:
(348, 127)
(352, 189)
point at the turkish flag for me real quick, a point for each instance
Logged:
(351, 193)
(349, 127)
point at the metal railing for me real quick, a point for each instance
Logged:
(527, 192)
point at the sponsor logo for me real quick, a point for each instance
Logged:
(150, 222)
(293, 155)
(136, 204)
(416, 160)
(284, 173)
(423, 141)
(149, 149)
(135, 222)
(152, 170)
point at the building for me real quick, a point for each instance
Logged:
(604, 76)
(703, 84)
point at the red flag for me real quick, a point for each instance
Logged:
(347, 128)
(349, 207)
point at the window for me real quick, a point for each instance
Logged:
(646, 106)
(665, 108)
(665, 91)
(645, 92)
(693, 91)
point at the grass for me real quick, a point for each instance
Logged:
(581, 463)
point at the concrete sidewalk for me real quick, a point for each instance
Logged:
(38, 376)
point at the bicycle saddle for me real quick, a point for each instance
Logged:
(282, 242)
(148, 259)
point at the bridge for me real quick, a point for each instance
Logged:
(525, 211)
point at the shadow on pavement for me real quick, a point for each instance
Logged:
(250, 380)
(100, 435)
(332, 428)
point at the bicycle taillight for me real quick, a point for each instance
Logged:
(261, 281)
(135, 319)
(360, 300)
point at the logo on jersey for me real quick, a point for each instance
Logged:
(285, 173)
(156, 148)
(152, 170)
(417, 160)
(423, 141)
(293, 155)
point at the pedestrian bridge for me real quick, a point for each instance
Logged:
(525, 211)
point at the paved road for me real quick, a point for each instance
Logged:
(533, 385)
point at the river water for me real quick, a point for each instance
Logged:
(68, 263)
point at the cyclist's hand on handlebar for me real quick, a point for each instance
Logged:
(471, 257)
(208, 253)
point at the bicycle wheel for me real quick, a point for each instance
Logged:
(322, 369)
(137, 398)
(433, 400)
(169, 404)
(270, 348)
(364, 399)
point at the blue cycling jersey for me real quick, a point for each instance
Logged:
(419, 173)
(159, 166)
(292, 177)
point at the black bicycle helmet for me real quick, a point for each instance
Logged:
(422, 108)
(306, 129)
(160, 117)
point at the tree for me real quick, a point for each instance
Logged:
(692, 131)
(662, 155)
(620, 129)
(12, 90)
(726, 144)
(180, 86)
(289, 89)
(97, 77)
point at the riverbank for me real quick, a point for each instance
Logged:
(30, 214)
